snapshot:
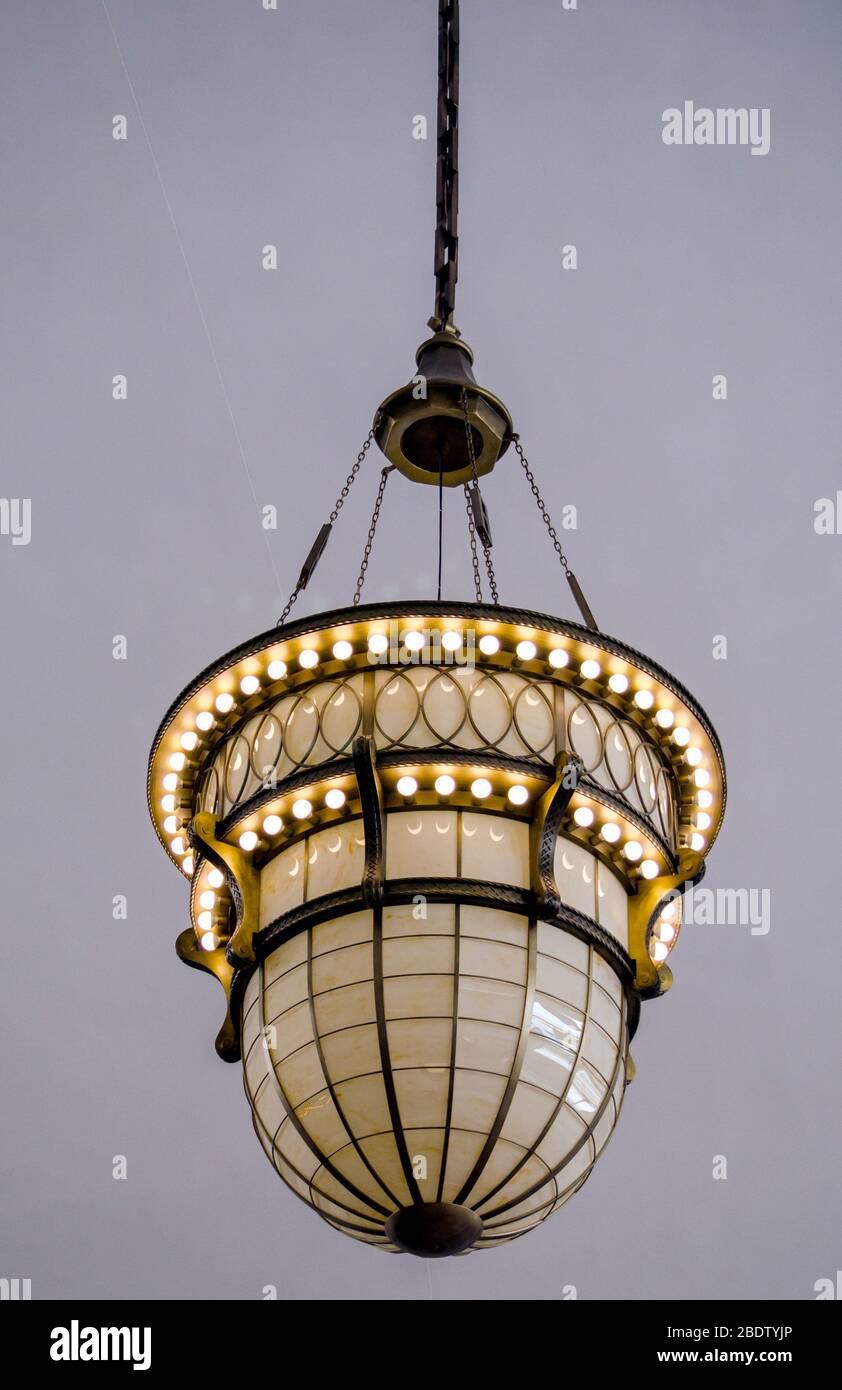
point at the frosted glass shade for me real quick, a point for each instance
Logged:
(434, 1053)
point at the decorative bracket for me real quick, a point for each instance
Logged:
(243, 882)
(651, 979)
(543, 832)
(217, 964)
(371, 803)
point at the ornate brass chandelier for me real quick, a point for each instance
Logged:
(436, 852)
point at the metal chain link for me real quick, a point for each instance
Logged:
(375, 517)
(542, 509)
(472, 536)
(486, 550)
(290, 601)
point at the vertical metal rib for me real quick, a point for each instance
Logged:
(386, 1061)
(514, 1074)
(454, 1032)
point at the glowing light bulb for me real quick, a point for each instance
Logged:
(207, 899)
(526, 651)
(693, 756)
(697, 842)
(302, 808)
(445, 785)
(489, 644)
(170, 782)
(189, 740)
(665, 930)
(701, 777)
(272, 825)
(633, 850)
(702, 820)
(177, 761)
(276, 670)
(414, 641)
(308, 658)
(704, 799)
(518, 795)
(168, 803)
(187, 864)
(618, 683)
(451, 641)
(248, 840)
(481, 788)
(177, 845)
(649, 868)
(610, 832)
(378, 643)
(407, 786)
(583, 815)
(335, 798)
(205, 720)
(249, 684)
(665, 718)
(342, 650)
(224, 702)
(681, 736)
(659, 951)
(208, 941)
(170, 824)
(590, 669)
(558, 658)
(644, 699)
(215, 878)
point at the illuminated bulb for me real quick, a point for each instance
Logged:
(205, 920)
(342, 650)
(518, 795)
(649, 868)
(204, 720)
(610, 832)
(704, 798)
(170, 782)
(414, 641)
(308, 658)
(558, 657)
(249, 684)
(697, 842)
(527, 651)
(665, 930)
(224, 702)
(177, 845)
(660, 951)
(583, 815)
(702, 820)
(665, 718)
(335, 798)
(633, 849)
(378, 642)
(177, 761)
(451, 641)
(276, 670)
(189, 740)
(187, 864)
(168, 803)
(207, 899)
(208, 941)
(445, 785)
(619, 683)
(215, 878)
(248, 840)
(681, 736)
(481, 788)
(669, 911)
(644, 699)
(590, 669)
(701, 777)
(272, 825)
(302, 809)
(693, 756)
(407, 786)
(171, 824)
(489, 644)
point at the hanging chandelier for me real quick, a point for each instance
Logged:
(436, 851)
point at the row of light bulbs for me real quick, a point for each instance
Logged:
(664, 932)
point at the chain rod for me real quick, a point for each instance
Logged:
(485, 536)
(446, 262)
(575, 587)
(375, 517)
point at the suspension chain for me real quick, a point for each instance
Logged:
(472, 536)
(324, 534)
(575, 586)
(375, 517)
(486, 549)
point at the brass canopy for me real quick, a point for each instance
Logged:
(421, 427)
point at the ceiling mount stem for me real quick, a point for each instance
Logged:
(446, 262)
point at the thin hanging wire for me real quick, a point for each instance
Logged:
(375, 517)
(575, 587)
(322, 538)
(489, 565)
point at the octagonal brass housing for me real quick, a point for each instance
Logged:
(421, 426)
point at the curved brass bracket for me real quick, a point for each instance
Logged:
(217, 964)
(243, 882)
(651, 979)
(543, 832)
(371, 803)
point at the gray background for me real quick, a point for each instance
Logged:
(248, 387)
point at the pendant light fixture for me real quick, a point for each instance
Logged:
(436, 850)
